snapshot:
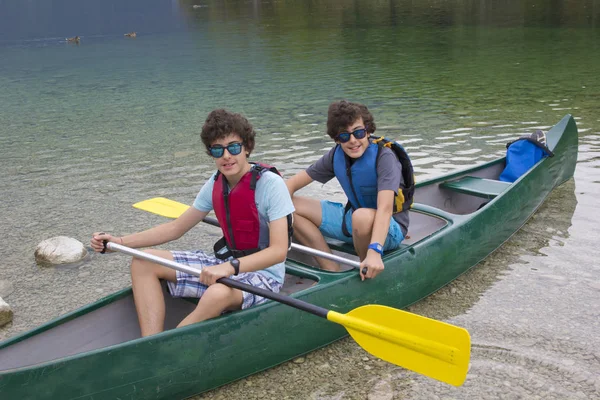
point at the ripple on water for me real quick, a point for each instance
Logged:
(505, 373)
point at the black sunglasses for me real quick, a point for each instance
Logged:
(217, 150)
(345, 136)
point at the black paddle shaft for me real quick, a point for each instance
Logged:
(290, 301)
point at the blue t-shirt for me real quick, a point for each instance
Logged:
(273, 202)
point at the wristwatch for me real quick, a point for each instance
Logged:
(377, 247)
(235, 263)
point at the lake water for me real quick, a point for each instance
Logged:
(87, 130)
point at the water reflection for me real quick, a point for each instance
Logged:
(361, 13)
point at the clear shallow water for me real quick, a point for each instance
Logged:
(87, 130)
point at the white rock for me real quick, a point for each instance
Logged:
(6, 313)
(59, 250)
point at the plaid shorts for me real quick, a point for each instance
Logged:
(189, 285)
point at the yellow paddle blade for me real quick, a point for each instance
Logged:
(429, 347)
(162, 206)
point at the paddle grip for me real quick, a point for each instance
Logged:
(104, 246)
(364, 270)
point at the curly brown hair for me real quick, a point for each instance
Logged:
(343, 113)
(221, 123)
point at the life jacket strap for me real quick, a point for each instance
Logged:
(344, 227)
(223, 252)
(256, 171)
(290, 222)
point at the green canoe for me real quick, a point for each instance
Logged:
(96, 352)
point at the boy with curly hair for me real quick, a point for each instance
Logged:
(252, 205)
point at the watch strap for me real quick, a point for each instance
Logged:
(235, 263)
(377, 247)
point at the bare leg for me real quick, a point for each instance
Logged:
(362, 229)
(213, 302)
(147, 291)
(307, 220)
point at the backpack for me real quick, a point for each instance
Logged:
(524, 153)
(404, 200)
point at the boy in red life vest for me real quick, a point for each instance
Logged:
(252, 205)
(376, 176)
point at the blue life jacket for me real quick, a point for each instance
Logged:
(524, 153)
(359, 177)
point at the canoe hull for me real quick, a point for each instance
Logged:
(179, 363)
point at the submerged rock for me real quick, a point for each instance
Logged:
(59, 250)
(6, 313)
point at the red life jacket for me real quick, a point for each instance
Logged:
(244, 231)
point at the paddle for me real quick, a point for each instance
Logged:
(429, 347)
(173, 209)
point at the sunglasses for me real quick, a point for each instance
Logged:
(358, 134)
(217, 150)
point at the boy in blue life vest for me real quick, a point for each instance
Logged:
(254, 209)
(375, 175)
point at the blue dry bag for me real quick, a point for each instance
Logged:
(524, 153)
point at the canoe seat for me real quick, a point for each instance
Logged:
(474, 186)
(340, 246)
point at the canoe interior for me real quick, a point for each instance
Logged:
(436, 206)
(454, 201)
(111, 324)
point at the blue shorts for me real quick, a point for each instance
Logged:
(331, 225)
(189, 285)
